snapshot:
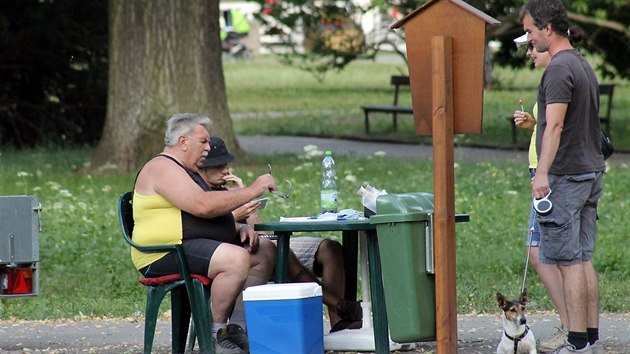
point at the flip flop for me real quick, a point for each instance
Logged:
(346, 324)
(349, 310)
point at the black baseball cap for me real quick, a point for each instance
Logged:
(218, 154)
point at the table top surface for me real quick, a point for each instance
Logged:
(328, 225)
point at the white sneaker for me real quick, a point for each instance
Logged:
(598, 348)
(554, 341)
(568, 348)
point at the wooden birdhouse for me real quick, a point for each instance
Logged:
(466, 26)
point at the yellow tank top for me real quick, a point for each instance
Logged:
(533, 155)
(157, 222)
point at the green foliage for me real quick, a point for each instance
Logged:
(86, 269)
(331, 36)
(604, 21)
(53, 71)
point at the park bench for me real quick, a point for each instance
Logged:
(605, 109)
(394, 109)
(605, 105)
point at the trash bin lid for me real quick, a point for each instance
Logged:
(404, 203)
(394, 218)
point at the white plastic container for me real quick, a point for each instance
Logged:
(284, 318)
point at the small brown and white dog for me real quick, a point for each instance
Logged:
(517, 338)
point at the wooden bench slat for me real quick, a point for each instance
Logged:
(397, 109)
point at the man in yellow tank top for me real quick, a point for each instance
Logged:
(173, 205)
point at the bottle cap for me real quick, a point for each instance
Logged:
(328, 153)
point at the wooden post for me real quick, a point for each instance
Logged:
(444, 194)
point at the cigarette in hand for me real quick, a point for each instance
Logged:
(520, 103)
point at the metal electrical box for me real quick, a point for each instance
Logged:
(19, 245)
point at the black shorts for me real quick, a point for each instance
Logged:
(198, 252)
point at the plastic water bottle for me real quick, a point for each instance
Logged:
(328, 191)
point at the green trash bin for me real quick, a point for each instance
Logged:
(405, 241)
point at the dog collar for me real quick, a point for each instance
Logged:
(517, 339)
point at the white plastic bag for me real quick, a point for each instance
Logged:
(368, 196)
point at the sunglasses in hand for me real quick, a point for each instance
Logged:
(276, 191)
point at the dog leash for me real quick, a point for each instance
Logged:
(530, 234)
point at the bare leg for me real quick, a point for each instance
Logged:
(330, 256)
(299, 273)
(592, 314)
(552, 279)
(261, 263)
(575, 296)
(229, 268)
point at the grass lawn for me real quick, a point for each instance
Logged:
(86, 268)
(301, 105)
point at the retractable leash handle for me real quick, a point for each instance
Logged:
(530, 235)
(543, 206)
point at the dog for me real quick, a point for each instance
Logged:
(517, 338)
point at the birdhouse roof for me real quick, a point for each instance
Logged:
(465, 6)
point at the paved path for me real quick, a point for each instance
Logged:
(477, 334)
(290, 144)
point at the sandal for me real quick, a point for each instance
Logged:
(349, 310)
(346, 324)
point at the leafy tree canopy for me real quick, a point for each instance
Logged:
(604, 22)
(331, 36)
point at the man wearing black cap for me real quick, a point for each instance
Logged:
(310, 256)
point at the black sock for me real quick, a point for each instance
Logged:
(578, 339)
(593, 335)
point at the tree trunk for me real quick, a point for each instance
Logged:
(164, 58)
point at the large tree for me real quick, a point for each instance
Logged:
(164, 57)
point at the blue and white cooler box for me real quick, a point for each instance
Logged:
(284, 318)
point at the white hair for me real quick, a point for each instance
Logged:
(183, 124)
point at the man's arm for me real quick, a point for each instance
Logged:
(247, 212)
(549, 147)
(163, 177)
(524, 120)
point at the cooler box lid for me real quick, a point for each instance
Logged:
(285, 291)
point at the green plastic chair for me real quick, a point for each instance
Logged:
(190, 293)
